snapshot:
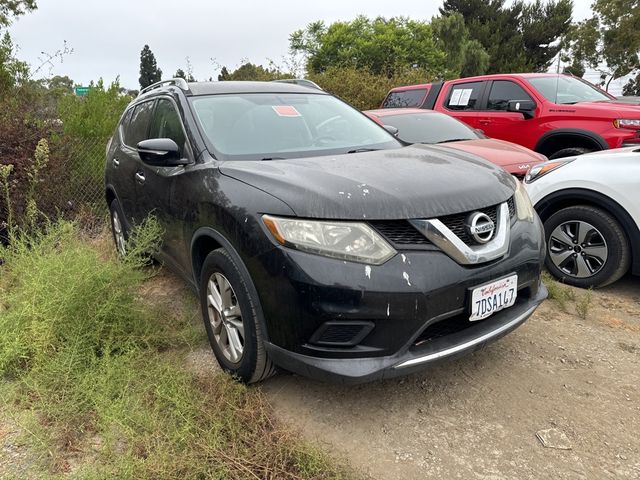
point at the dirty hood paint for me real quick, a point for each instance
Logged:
(419, 181)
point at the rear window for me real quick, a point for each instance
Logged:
(405, 98)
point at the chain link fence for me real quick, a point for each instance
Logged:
(69, 185)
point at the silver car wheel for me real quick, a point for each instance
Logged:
(118, 234)
(225, 317)
(578, 249)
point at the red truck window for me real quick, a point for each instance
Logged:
(405, 98)
(504, 91)
(464, 96)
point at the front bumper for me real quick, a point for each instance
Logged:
(414, 358)
(402, 301)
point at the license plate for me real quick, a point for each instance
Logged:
(493, 297)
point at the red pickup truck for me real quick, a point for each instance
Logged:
(556, 115)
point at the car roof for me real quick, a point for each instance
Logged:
(480, 78)
(230, 87)
(388, 112)
(411, 87)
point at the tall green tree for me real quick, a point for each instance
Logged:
(14, 8)
(12, 70)
(149, 71)
(379, 45)
(518, 36)
(465, 56)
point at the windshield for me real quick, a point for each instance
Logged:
(566, 90)
(429, 128)
(272, 126)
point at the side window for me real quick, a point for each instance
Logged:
(502, 92)
(124, 124)
(465, 96)
(405, 98)
(136, 131)
(167, 124)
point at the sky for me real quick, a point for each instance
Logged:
(107, 35)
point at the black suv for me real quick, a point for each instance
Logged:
(316, 240)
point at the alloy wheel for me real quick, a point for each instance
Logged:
(118, 234)
(578, 249)
(225, 317)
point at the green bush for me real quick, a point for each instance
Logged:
(363, 89)
(98, 366)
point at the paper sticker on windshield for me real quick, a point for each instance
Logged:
(286, 111)
(455, 97)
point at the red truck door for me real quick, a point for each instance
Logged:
(462, 100)
(497, 122)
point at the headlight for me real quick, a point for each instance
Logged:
(542, 169)
(356, 242)
(626, 123)
(524, 208)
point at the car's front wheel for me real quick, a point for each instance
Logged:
(586, 247)
(231, 319)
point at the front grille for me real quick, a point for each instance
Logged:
(400, 232)
(456, 223)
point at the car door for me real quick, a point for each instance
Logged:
(463, 101)
(497, 122)
(154, 184)
(125, 157)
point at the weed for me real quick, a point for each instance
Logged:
(583, 304)
(557, 291)
(102, 372)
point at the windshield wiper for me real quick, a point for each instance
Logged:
(453, 140)
(266, 159)
(360, 150)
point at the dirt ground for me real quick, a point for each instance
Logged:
(477, 418)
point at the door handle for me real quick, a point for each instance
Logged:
(116, 162)
(485, 122)
(140, 178)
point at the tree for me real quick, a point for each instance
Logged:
(379, 45)
(249, 71)
(12, 71)
(149, 71)
(180, 74)
(464, 56)
(520, 37)
(609, 42)
(14, 8)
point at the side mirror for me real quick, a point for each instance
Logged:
(525, 107)
(161, 152)
(391, 129)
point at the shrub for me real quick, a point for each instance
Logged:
(363, 89)
(90, 358)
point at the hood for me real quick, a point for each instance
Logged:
(616, 108)
(514, 158)
(419, 181)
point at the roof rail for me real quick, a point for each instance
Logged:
(178, 82)
(299, 81)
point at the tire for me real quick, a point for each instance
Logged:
(569, 152)
(241, 326)
(586, 247)
(118, 228)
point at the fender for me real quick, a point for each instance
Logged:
(576, 132)
(226, 244)
(572, 196)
